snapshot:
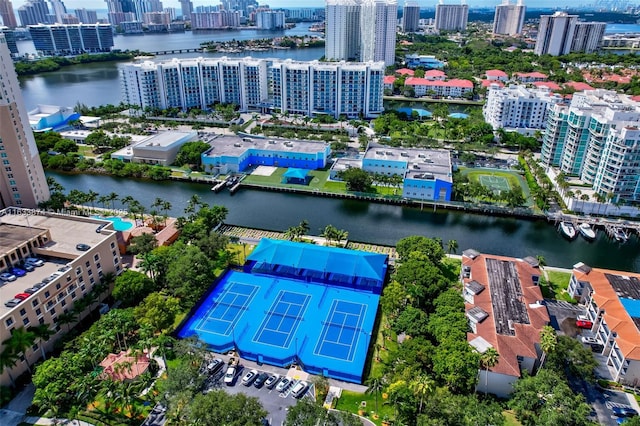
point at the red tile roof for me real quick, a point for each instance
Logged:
(415, 81)
(548, 84)
(496, 73)
(578, 86)
(534, 74)
(487, 83)
(434, 73)
(405, 71)
(526, 335)
(615, 314)
(389, 79)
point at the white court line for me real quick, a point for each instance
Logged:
(354, 341)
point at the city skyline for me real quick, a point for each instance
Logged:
(101, 4)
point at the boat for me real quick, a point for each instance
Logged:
(568, 230)
(620, 235)
(587, 231)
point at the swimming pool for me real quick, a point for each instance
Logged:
(118, 223)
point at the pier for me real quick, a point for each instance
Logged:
(174, 51)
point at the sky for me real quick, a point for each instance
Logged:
(101, 4)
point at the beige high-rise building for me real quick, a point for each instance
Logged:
(7, 14)
(22, 179)
(509, 18)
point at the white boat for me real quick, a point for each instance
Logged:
(587, 231)
(620, 235)
(568, 230)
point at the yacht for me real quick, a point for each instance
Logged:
(568, 230)
(620, 235)
(587, 231)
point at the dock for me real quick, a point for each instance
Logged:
(616, 229)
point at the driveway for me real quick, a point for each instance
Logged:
(563, 316)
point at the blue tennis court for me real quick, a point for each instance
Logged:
(341, 330)
(282, 320)
(227, 309)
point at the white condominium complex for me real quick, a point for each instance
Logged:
(518, 108)
(22, 179)
(597, 139)
(509, 18)
(588, 36)
(362, 30)
(270, 19)
(451, 17)
(559, 34)
(410, 17)
(309, 88)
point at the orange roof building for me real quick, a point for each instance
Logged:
(124, 366)
(612, 299)
(502, 303)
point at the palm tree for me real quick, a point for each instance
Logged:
(42, 332)
(103, 199)
(488, 359)
(20, 341)
(548, 342)
(67, 318)
(375, 385)
(8, 359)
(92, 196)
(127, 200)
(452, 246)
(422, 386)
(112, 197)
(166, 206)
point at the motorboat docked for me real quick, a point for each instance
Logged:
(587, 231)
(568, 230)
(620, 235)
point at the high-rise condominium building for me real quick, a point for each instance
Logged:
(187, 9)
(34, 12)
(10, 39)
(7, 14)
(309, 88)
(270, 19)
(120, 11)
(146, 6)
(361, 30)
(243, 6)
(86, 16)
(59, 10)
(378, 22)
(214, 20)
(451, 17)
(555, 34)
(22, 179)
(588, 36)
(509, 18)
(597, 138)
(72, 39)
(410, 17)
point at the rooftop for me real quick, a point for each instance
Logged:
(514, 317)
(421, 163)
(164, 140)
(618, 294)
(234, 146)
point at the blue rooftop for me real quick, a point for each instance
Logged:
(632, 306)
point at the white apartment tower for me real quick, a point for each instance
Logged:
(588, 36)
(342, 35)
(509, 18)
(410, 17)
(597, 139)
(518, 108)
(22, 179)
(378, 21)
(451, 17)
(555, 34)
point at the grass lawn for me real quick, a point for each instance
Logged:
(352, 402)
(86, 151)
(510, 418)
(556, 288)
(514, 180)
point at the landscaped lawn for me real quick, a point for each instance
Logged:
(353, 401)
(514, 179)
(557, 286)
(510, 418)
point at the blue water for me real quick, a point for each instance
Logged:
(118, 223)
(280, 321)
(622, 28)
(458, 115)
(409, 111)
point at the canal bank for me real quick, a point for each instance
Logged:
(375, 223)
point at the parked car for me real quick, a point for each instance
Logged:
(583, 321)
(248, 378)
(215, 366)
(30, 290)
(39, 285)
(82, 247)
(230, 375)
(262, 377)
(589, 340)
(27, 267)
(22, 296)
(5, 276)
(271, 381)
(17, 272)
(624, 411)
(34, 261)
(12, 303)
(284, 384)
(299, 389)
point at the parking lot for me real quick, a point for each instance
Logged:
(274, 402)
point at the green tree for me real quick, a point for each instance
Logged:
(356, 179)
(548, 342)
(452, 246)
(131, 287)
(375, 384)
(488, 359)
(191, 153)
(8, 360)
(157, 310)
(422, 386)
(431, 247)
(220, 408)
(143, 244)
(21, 339)
(42, 332)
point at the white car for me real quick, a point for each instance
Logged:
(230, 375)
(589, 340)
(299, 389)
(248, 378)
(34, 261)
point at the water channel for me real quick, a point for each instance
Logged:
(377, 223)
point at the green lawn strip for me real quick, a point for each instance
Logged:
(514, 179)
(556, 288)
(352, 402)
(510, 418)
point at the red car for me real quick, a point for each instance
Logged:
(22, 296)
(583, 322)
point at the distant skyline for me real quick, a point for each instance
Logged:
(101, 4)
